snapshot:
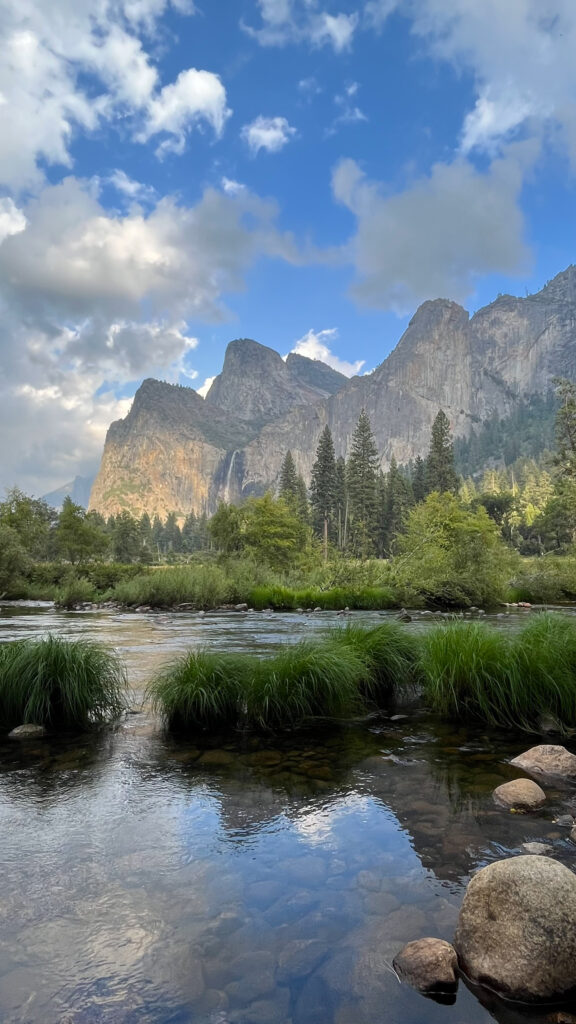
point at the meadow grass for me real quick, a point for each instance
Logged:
(202, 690)
(202, 586)
(62, 684)
(391, 656)
(282, 598)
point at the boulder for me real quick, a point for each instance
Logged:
(516, 931)
(547, 759)
(537, 849)
(27, 732)
(429, 965)
(520, 795)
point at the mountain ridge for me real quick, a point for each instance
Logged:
(182, 454)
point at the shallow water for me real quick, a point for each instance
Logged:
(258, 882)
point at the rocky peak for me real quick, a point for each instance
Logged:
(315, 374)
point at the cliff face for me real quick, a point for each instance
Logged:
(178, 452)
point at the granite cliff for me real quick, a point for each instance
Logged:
(178, 452)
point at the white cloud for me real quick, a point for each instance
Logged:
(135, 190)
(195, 96)
(206, 386)
(12, 220)
(300, 21)
(72, 67)
(436, 237)
(269, 133)
(232, 187)
(377, 12)
(92, 301)
(348, 111)
(315, 345)
(521, 55)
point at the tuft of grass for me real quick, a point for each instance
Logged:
(391, 656)
(75, 591)
(467, 673)
(59, 683)
(202, 690)
(335, 599)
(304, 681)
(202, 586)
(543, 657)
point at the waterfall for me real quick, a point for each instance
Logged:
(229, 477)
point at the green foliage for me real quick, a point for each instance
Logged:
(165, 587)
(13, 561)
(77, 538)
(441, 475)
(565, 458)
(226, 528)
(548, 580)
(527, 433)
(60, 683)
(323, 487)
(282, 598)
(452, 556)
(75, 591)
(31, 518)
(273, 531)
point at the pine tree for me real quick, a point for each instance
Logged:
(323, 487)
(399, 499)
(341, 502)
(419, 480)
(565, 458)
(362, 475)
(288, 479)
(441, 474)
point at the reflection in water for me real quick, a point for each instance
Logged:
(147, 879)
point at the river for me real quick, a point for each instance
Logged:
(263, 881)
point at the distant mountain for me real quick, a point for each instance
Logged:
(178, 452)
(78, 489)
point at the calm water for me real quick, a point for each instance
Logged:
(263, 882)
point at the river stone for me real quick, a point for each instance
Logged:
(520, 794)
(547, 759)
(27, 732)
(428, 965)
(516, 931)
(537, 849)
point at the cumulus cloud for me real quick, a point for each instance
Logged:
(300, 21)
(315, 345)
(348, 110)
(93, 300)
(69, 67)
(268, 133)
(130, 188)
(438, 235)
(12, 220)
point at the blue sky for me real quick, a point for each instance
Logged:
(303, 172)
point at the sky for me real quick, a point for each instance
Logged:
(178, 173)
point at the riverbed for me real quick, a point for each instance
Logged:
(255, 881)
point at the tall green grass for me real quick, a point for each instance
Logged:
(61, 684)
(202, 690)
(391, 656)
(283, 598)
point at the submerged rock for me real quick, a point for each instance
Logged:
(27, 732)
(516, 931)
(520, 794)
(429, 965)
(547, 759)
(537, 849)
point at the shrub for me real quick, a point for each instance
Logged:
(74, 591)
(60, 683)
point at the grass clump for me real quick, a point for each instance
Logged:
(203, 586)
(61, 684)
(544, 668)
(282, 598)
(203, 690)
(390, 654)
(304, 681)
(466, 670)
(76, 590)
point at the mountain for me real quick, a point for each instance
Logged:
(78, 489)
(178, 452)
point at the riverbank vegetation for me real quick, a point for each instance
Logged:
(419, 535)
(464, 670)
(60, 684)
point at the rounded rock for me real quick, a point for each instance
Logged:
(516, 931)
(27, 732)
(428, 965)
(519, 795)
(547, 759)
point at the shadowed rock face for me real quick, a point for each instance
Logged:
(178, 452)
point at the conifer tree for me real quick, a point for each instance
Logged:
(341, 502)
(441, 474)
(362, 475)
(288, 488)
(419, 480)
(323, 487)
(302, 499)
(565, 458)
(399, 499)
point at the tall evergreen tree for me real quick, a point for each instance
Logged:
(323, 487)
(399, 499)
(288, 479)
(565, 458)
(419, 480)
(341, 502)
(441, 474)
(362, 476)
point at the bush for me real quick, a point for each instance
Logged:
(74, 591)
(60, 683)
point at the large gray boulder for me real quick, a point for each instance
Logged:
(516, 932)
(519, 795)
(547, 759)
